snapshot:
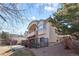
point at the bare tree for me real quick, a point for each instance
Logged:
(9, 14)
(8, 10)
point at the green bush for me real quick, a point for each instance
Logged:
(5, 38)
(5, 35)
(24, 43)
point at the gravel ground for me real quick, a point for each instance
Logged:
(57, 50)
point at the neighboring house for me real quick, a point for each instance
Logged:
(13, 39)
(18, 38)
(41, 32)
(25, 34)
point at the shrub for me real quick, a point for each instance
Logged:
(5, 35)
(24, 43)
(5, 38)
(13, 42)
(67, 42)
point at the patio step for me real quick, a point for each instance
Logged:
(8, 53)
(4, 49)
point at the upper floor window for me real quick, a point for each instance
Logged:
(42, 27)
(45, 26)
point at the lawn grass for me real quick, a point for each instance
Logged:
(23, 52)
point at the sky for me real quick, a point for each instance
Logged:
(31, 11)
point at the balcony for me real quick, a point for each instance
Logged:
(31, 34)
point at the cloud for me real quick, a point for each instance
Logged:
(49, 8)
(33, 17)
(22, 18)
(38, 5)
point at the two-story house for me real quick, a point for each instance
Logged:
(41, 32)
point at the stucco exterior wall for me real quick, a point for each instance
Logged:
(19, 39)
(51, 33)
(42, 33)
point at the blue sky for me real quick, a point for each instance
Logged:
(32, 11)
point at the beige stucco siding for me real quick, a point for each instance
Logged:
(44, 32)
(53, 37)
(51, 33)
(47, 32)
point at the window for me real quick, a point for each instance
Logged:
(43, 41)
(42, 27)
